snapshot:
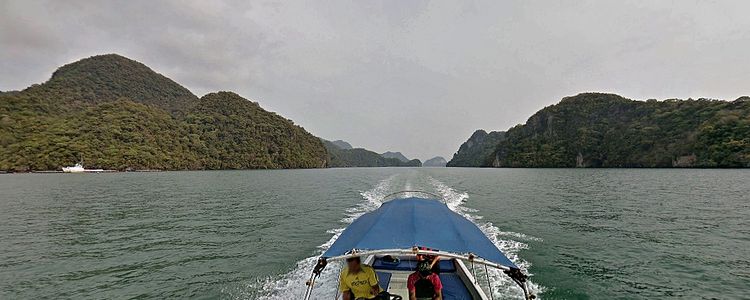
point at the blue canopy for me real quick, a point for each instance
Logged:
(408, 222)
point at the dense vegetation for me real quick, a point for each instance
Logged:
(396, 155)
(437, 161)
(342, 144)
(605, 130)
(474, 152)
(107, 78)
(116, 113)
(358, 157)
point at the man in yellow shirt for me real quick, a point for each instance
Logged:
(358, 281)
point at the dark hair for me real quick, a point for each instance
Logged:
(424, 268)
(353, 258)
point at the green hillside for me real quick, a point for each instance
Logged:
(475, 151)
(437, 161)
(396, 155)
(605, 130)
(358, 157)
(107, 78)
(117, 113)
(239, 134)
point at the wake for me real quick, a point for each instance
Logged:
(292, 285)
(502, 286)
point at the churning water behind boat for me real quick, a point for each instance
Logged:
(287, 286)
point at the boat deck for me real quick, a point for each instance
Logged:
(457, 283)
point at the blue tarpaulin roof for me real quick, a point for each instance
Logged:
(408, 222)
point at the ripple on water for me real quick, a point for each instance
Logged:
(583, 234)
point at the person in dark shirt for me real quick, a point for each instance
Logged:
(433, 259)
(424, 284)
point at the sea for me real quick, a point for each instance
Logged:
(579, 233)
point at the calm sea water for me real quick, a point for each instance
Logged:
(582, 233)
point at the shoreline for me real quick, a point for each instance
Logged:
(483, 168)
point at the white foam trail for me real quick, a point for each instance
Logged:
(407, 187)
(502, 286)
(292, 285)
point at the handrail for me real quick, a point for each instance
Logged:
(469, 257)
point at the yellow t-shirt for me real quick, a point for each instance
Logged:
(359, 283)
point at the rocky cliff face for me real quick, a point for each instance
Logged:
(606, 130)
(437, 161)
(477, 150)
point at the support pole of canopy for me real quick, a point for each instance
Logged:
(526, 292)
(473, 269)
(336, 288)
(520, 279)
(322, 262)
(489, 283)
(310, 284)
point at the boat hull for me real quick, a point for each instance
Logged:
(72, 170)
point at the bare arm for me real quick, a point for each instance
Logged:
(346, 295)
(434, 261)
(439, 295)
(412, 295)
(375, 289)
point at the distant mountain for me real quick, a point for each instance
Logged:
(359, 157)
(117, 113)
(475, 151)
(437, 161)
(412, 163)
(606, 130)
(342, 144)
(396, 155)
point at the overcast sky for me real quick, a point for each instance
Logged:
(412, 76)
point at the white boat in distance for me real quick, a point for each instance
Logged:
(78, 168)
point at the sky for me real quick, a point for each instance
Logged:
(412, 76)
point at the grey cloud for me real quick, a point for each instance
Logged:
(410, 76)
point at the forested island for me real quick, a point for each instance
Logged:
(476, 149)
(606, 130)
(119, 114)
(342, 155)
(437, 161)
(116, 113)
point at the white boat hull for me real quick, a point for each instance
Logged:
(75, 169)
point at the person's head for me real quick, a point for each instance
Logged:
(424, 268)
(353, 263)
